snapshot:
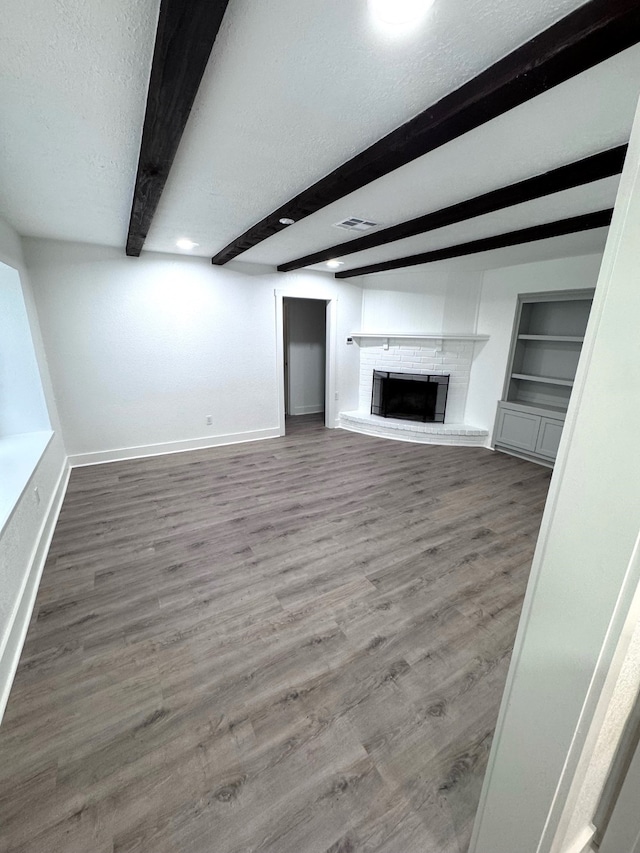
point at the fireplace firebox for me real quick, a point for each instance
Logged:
(409, 396)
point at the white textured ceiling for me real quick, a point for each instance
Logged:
(590, 198)
(73, 85)
(292, 90)
(413, 278)
(546, 132)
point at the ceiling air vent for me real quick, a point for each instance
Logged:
(354, 223)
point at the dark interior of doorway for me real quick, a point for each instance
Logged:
(305, 356)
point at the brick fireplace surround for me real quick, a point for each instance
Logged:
(452, 356)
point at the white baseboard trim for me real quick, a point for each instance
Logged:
(308, 410)
(100, 457)
(21, 616)
(535, 459)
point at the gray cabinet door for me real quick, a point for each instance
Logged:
(518, 429)
(549, 437)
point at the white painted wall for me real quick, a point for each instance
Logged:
(421, 301)
(462, 302)
(23, 538)
(22, 404)
(586, 570)
(142, 350)
(498, 300)
(404, 313)
(306, 356)
(347, 355)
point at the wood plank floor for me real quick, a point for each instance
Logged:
(291, 646)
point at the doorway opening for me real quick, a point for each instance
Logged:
(304, 329)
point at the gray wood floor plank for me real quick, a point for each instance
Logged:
(292, 646)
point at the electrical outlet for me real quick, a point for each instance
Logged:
(209, 420)
(36, 492)
(336, 396)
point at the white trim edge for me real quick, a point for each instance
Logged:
(99, 457)
(314, 409)
(582, 842)
(19, 622)
(331, 383)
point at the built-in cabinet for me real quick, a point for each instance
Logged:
(547, 339)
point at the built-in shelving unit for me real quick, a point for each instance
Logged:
(547, 339)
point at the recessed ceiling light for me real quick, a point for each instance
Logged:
(399, 12)
(333, 264)
(185, 244)
(286, 221)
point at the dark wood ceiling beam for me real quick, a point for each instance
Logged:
(187, 30)
(560, 227)
(603, 165)
(589, 35)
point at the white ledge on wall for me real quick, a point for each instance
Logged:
(19, 457)
(420, 337)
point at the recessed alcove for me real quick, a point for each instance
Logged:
(25, 429)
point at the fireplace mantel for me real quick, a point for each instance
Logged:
(420, 337)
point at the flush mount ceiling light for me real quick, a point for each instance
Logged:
(185, 244)
(286, 221)
(399, 13)
(333, 264)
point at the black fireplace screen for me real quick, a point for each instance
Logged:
(409, 396)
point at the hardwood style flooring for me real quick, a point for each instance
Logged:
(291, 646)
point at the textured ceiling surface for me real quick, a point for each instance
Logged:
(73, 85)
(590, 198)
(549, 131)
(413, 278)
(291, 91)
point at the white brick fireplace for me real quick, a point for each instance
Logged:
(446, 355)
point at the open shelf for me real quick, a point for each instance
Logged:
(569, 339)
(545, 359)
(554, 317)
(548, 380)
(543, 395)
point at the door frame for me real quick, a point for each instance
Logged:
(331, 387)
(556, 680)
(285, 355)
(623, 830)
